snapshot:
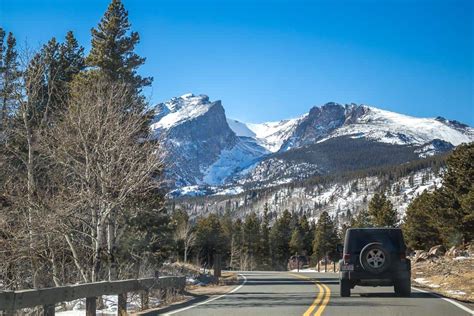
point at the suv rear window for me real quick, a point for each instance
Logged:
(356, 239)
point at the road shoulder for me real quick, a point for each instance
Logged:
(195, 296)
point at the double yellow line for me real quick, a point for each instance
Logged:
(321, 301)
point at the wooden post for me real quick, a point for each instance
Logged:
(48, 310)
(318, 267)
(122, 305)
(297, 262)
(91, 306)
(334, 266)
(217, 265)
(144, 299)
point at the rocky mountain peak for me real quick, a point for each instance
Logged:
(186, 100)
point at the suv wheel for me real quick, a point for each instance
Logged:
(374, 258)
(345, 288)
(402, 287)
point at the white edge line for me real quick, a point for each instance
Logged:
(210, 299)
(467, 309)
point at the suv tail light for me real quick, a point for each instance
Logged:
(347, 257)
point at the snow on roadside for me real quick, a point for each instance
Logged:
(77, 307)
(304, 270)
(424, 282)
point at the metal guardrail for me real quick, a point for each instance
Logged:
(10, 301)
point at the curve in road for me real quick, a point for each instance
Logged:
(310, 294)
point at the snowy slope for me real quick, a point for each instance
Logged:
(270, 135)
(181, 109)
(393, 128)
(232, 161)
(241, 129)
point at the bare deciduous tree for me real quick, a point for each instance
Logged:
(184, 232)
(106, 165)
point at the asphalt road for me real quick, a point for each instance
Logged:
(286, 293)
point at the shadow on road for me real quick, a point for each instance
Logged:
(385, 294)
(290, 281)
(195, 299)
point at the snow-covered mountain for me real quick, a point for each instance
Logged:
(204, 147)
(200, 146)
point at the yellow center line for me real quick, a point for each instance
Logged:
(325, 301)
(318, 299)
(315, 302)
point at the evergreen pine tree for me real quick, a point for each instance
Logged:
(307, 235)
(209, 238)
(296, 244)
(251, 241)
(382, 212)
(71, 57)
(112, 48)
(236, 245)
(9, 76)
(362, 220)
(265, 249)
(280, 235)
(419, 227)
(2, 47)
(325, 237)
(456, 197)
(227, 231)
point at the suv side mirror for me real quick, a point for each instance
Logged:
(339, 248)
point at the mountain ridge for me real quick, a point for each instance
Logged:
(205, 147)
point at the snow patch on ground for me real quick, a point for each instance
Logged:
(456, 292)
(77, 307)
(423, 281)
(230, 191)
(307, 270)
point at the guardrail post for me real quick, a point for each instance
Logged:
(8, 303)
(122, 304)
(48, 310)
(144, 299)
(91, 306)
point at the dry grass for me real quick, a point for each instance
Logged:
(451, 278)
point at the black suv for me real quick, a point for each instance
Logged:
(375, 257)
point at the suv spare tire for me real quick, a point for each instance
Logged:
(374, 258)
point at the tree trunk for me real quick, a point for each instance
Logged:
(111, 247)
(30, 194)
(98, 248)
(76, 259)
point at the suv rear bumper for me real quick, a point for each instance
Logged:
(363, 275)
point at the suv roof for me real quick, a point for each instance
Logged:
(357, 238)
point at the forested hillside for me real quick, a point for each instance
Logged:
(262, 231)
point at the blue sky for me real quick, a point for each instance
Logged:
(269, 60)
